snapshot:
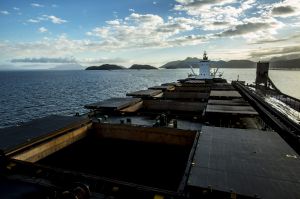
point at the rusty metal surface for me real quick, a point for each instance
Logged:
(247, 162)
(113, 103)
(14, 136)
(162, 135)
(219, 109)
(144, 93)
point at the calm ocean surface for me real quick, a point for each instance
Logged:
(26, 95)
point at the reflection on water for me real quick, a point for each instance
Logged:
(26, 95)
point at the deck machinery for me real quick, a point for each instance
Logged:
(194, 138)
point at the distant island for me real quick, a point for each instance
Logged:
(186, 63)
(117, 67)
(140, 66)
(106, 67)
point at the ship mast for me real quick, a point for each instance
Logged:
(205, 56)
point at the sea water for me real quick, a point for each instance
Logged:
(26, 95)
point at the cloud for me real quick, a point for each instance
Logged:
(215, 14)
(131, 10)
(4, 12)
(202, 3)
(188, 40)
(144, 31)
(271, 52)
(52, 18)
(44, 60)
(103, 60)
(67, 60)
(144, 19)
(253, 29)
(113, 22)
(33, 21)
(137, 31)
(42, 30)
(282, 10)
(15, 8)
(55, 20)
(220, 23)
(244, 29)
(60, 46)
(36, 5)
(265, 41)
(286, 57)
(294, 38)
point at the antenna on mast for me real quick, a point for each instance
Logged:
(205, 56)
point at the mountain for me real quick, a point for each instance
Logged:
(274, 63)
(221, 64)
(106, 67)
(293, 63)
(238, 64)
(180, 63)
(190, 61)
(139, 66)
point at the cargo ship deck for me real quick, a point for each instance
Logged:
(186, 139)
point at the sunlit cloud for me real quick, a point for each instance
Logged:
(145, 31)
(42, 30)
(52, 18)
(36, 5)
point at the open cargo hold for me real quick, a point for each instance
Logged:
(154, 157)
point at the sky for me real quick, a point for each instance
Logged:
(46, 34)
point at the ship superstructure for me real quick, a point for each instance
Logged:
(204, 68)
